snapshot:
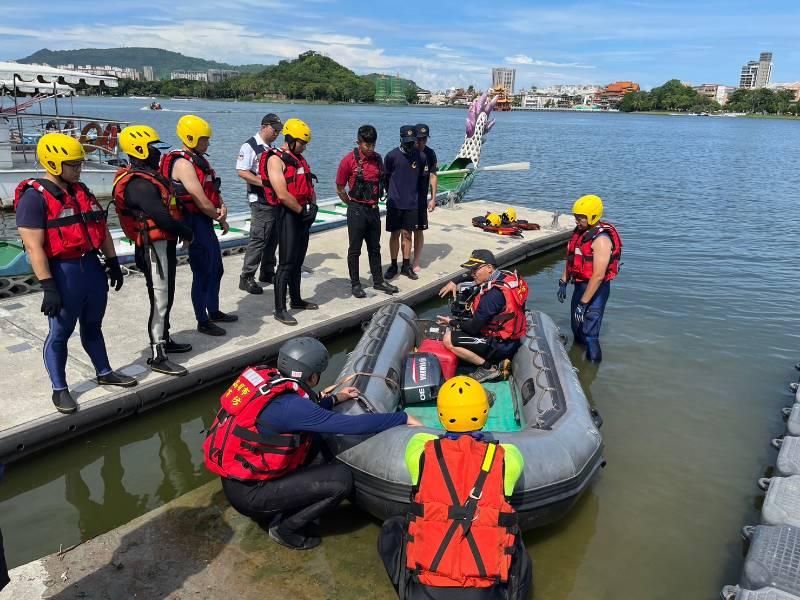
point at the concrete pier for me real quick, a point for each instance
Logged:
(29, 422)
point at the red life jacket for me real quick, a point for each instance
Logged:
(235, 448)
(511, 324)
(580, 255)
(461, 527)
(298, 175)
(138, 227)
(76, 223)
(205, 175)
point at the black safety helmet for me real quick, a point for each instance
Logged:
(301, 357)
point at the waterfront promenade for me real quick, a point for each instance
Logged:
(29, 422)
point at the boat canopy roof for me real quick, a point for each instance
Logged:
(42, 74)
(36, 87)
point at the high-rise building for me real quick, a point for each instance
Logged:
(504, 77)
(147, 71)
(756, 73)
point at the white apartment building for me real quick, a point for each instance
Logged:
(504, 77)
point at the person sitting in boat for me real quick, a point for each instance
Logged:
(461, 540)
(152, 220)
(493, 332)
(63, 228)
(261, 443)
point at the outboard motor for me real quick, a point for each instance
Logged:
(462, 305)
(422, 378)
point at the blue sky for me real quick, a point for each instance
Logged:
(438, 44)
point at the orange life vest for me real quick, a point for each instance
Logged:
(235, 448)
(511, 324)
(580, 255)
(138, 227)
(461, 527)
(205, 175)
(75, 222)
(298, 175)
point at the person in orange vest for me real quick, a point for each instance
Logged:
(151, 218)
(64, 230)
(196, 187)
(460, 539)
(593, 260)
(497, 320)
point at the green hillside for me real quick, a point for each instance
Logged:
(162, 61)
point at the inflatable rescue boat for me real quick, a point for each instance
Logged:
(399, 364)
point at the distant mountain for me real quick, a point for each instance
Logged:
(162, 61)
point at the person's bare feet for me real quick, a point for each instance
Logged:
(417, 268)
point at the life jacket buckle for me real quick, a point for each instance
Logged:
(473, 496)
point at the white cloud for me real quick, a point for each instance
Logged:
(522, 59)
(439, 47)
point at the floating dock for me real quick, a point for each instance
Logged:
(29, 422)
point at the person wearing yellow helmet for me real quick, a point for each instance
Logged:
(197, 188)
(289, 184)
(63, 228)
(462, 484)
(593, 260)
(152, 220)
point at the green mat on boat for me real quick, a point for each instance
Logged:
(501, 415)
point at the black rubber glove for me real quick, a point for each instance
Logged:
(562, 291)
(115, 278)
(51, 303)
(309, 214)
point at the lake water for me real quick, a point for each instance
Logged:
(699, 339)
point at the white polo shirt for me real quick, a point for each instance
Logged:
(248, 160)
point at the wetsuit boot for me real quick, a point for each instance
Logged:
(64, 402)
(114, 378)
(173, 347)
(161, 364)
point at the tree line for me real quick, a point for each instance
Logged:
(311, 76)
(676, 96)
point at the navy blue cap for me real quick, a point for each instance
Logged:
(408, 133)
(423, 130)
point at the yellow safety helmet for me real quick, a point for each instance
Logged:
(191, 128)
(54, 149)
(133, 140)
(590, 206)
(494, 219)
(462, 404)
(510, 215)
(297, 129)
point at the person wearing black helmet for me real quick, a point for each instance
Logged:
(262, 441)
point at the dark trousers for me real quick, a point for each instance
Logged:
(260, 251)
(83, 287)
(589, 332)
(158, 262)
(205, 259)
(292, 248)
(364, 225)
(294, 500)
(391, 548)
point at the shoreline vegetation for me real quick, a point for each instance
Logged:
(676, 97)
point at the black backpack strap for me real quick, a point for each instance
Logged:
(257, 148)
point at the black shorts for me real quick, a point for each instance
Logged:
(399, 218)
(486, 347)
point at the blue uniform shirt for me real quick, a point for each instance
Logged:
(403, 173)
(292, 413)
(31, 212)
(431, 166)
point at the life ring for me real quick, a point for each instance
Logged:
(109, 138)
(92, 125)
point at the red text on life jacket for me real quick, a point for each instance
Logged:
(235, 448)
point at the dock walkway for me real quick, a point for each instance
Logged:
(29, 422)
